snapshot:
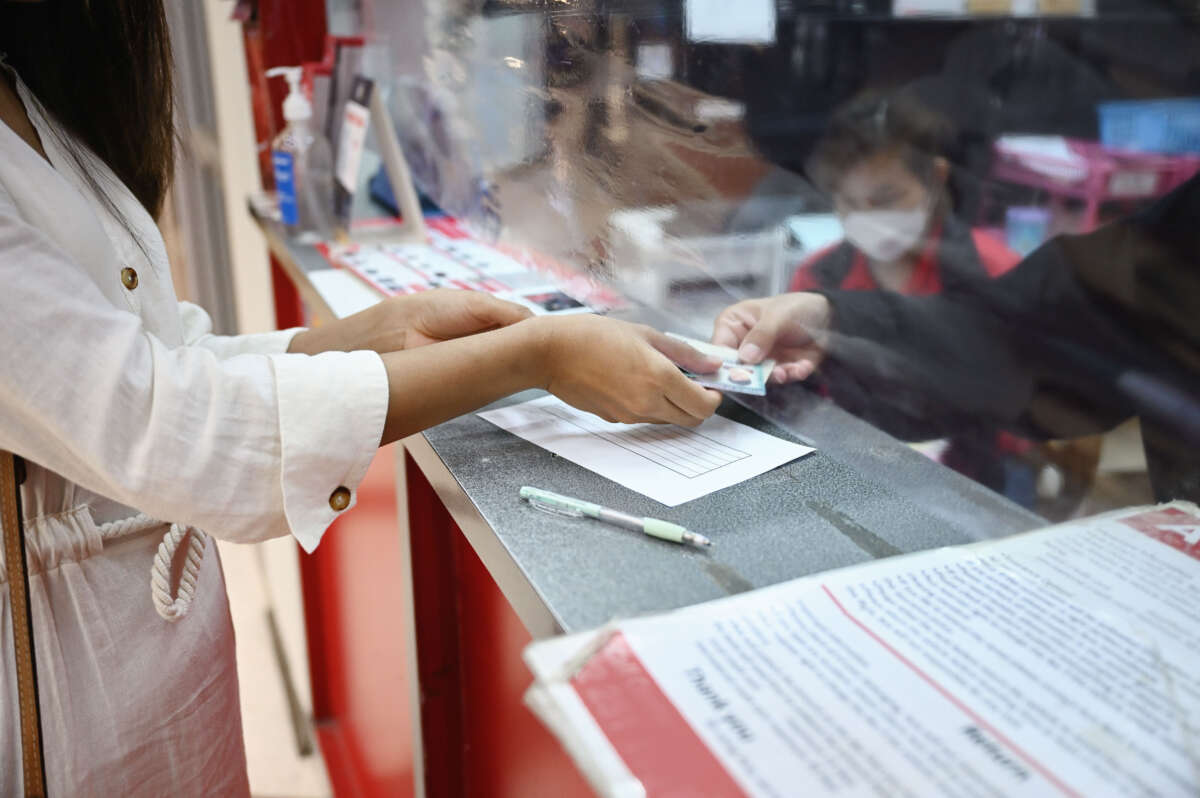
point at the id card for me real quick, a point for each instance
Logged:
(733, 375)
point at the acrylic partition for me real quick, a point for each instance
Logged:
(996, 198)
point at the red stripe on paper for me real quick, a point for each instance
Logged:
(447, 226)
(654, 740)
(966, 710)
(323, 248)
(1171, 526)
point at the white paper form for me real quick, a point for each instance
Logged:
(1059, 663)
(344, 293)
(744, 22)
(669, 464)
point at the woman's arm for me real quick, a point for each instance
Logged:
(406, 322)
(401, 322)
(487, 348)
(253, 446)
(619, 371)
(484, 348)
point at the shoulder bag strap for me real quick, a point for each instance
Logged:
(12, 474)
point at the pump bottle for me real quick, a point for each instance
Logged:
(303, 167)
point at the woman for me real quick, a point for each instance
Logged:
(127, 410)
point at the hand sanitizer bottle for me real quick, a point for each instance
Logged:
(303, 167)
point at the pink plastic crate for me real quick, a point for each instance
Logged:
(1095, 174)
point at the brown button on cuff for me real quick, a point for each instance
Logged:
(340, 498)
(129, 278)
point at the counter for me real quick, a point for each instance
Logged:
(484, 573)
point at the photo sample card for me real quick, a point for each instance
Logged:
(733, 375)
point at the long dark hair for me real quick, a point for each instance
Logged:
(102, 68)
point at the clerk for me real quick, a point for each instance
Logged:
(883, 161)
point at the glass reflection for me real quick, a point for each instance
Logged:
(992, 201)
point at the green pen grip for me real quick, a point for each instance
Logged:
(561, 502)
(664, 529)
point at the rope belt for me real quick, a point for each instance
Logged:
(170, 608)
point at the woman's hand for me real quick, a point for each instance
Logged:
(790, 328)
(406, 322)
(619, 371)
(625, 372)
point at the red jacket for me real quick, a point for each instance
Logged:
(947, 261)
(990, 257)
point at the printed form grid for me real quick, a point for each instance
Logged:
(682, 451)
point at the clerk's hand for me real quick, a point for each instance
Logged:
(790, 328)
(625, 372)
(406, 322)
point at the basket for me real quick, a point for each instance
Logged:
(1165, 126)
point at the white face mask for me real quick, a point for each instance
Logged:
(885, 235)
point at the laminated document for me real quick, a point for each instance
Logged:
(1063, 662)
(451, 258)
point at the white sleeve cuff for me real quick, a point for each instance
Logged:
(332, 409)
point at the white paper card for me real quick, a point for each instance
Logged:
(669, 464)
(743, 22)
(343, 292)
(351, 143)
(654, 62)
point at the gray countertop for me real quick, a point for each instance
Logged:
(861, 495)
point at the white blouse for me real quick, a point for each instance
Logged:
(122, 390)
